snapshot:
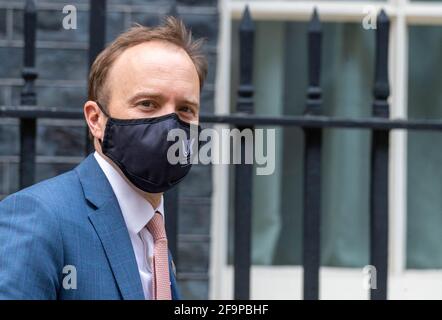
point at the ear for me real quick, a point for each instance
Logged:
(95, 119)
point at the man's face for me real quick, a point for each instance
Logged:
(153, 79)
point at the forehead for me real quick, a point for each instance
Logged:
(153, 65)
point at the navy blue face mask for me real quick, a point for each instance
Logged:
(139, 147)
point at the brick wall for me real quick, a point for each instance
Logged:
(62, 59)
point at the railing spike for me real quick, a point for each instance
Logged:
(314, 92)
(246, 35)
(246, 21)
(382, 17)
(30, 6)
(381, 89)
(315, 23)
(173, 11)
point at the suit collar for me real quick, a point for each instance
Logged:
(96, 187)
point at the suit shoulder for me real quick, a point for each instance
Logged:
(31, 243)
(51, 192)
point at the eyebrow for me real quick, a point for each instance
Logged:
(157, 95)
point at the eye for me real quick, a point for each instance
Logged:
(188, 110)
(147, 104)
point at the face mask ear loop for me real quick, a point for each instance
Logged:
(102, 109)
(107, 115)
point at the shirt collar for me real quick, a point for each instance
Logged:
(137, 210)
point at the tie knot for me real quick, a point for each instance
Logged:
(156, 227)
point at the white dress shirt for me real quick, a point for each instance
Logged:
(137, 212)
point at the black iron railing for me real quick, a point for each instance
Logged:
(312, 123)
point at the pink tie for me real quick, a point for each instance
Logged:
(161, 281)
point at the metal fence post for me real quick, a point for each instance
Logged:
(28, 98)
(379, 164)
(243, 172)
(171, 197)
(312, 166)
(97, 41)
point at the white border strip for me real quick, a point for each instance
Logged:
(220, 194)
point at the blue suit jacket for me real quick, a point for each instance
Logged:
(71, 220)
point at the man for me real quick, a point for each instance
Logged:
(97, 232)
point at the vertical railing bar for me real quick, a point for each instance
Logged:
(97, 28)
(312, 166)
(173, 11)
(29, 98)
(97, 40)
(379, 164)
(171, 197)
(243, 171)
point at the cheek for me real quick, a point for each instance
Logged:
(117, 110)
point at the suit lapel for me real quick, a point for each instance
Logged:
(111, 228)
(108, 222)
